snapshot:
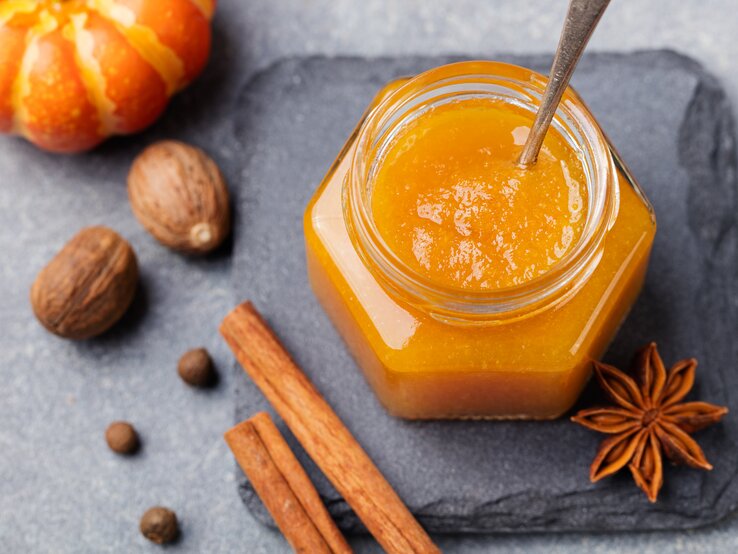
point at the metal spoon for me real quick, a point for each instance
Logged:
(581, 20)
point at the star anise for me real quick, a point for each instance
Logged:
(648, 419)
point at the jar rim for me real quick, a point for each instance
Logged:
(476, 79)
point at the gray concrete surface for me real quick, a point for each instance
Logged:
(46, 503)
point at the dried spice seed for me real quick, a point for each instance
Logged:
(87, 286)
(159, 525)
(179, 195)
(648, 420)
(122, 437)
(195, 368)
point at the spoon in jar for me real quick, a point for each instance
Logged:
(581, 20)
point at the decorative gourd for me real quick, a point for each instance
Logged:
(73, 72)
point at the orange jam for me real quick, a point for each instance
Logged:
(464, 285)
(451, 201)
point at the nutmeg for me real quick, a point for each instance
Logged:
(87, 286)
(179, 195)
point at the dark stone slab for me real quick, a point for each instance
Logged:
(672, 124)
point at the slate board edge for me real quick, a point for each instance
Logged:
(438, 516)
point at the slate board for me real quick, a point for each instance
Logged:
(673, 126)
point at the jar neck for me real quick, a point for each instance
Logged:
(499, 82)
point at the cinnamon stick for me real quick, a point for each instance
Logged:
(325, 438)
(284, 487)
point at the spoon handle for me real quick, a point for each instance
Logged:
(581, 20)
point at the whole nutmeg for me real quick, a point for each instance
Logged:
(87, 286)
(195, 367)
(159, 525)
(122, 437)
(179, 195)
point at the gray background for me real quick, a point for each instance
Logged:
(60, 489)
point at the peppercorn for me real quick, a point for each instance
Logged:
(196, 368)
(159, 525)
(122, 437)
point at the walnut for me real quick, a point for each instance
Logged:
(179, 195)
(87, 286)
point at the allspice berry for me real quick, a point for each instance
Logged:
(195, 368)
(179, 195)
(122, 437)
(87, 286)
(159, 525)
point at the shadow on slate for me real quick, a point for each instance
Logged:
(671, 122)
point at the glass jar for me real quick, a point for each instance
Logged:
(436, 351)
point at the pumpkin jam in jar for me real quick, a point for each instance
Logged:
(451, 201)
(465, 285)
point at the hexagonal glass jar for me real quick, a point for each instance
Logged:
(433, 352)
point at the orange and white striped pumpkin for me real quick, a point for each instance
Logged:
(73, 72)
